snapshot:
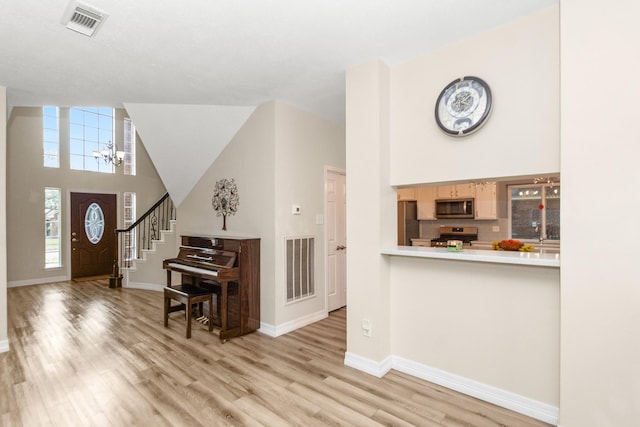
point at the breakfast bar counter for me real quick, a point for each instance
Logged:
(535, 259)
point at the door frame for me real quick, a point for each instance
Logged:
(67, 222)
(327, 171)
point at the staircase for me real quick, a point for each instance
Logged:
(143, 246)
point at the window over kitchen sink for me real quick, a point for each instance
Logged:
(534, 211)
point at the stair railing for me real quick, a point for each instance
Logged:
(141, 234)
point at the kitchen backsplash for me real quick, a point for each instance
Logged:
(431, 229)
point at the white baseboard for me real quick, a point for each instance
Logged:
(40, 281)
(144, 286)
(275, 331)
(371, 367)
(4, 346)
(505, 399)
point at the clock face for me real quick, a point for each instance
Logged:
(463, 106)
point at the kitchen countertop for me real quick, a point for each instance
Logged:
(536, 259)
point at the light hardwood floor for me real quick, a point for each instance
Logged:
(82, 354)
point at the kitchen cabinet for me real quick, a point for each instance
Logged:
(456, 191)
(486, 203)
(426, 202)
(407, 194)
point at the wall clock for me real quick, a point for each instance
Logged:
(463, 106)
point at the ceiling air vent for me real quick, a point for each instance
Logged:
(83, 18)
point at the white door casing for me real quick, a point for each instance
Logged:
(336, 239)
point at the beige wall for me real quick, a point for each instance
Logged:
(304, 145)
(520, 62)
(390, 128)
(249, 159)
(370, 209)
(492, 323)
(600, 335)
(277, 159)
(4, 340)
(27, 178)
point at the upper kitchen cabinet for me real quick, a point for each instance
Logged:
(407, 194)
(486, 201)
(426, 202)
(456, 191)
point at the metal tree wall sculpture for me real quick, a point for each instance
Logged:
(225, 199)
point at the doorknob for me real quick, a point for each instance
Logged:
(341, 248)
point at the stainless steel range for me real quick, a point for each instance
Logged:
(465, 234)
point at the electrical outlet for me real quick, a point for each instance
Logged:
(495, 228)
(366, 327)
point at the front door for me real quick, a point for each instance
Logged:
(93, 239)
(336, 213)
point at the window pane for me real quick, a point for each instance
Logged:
(50, 119)
(525, 212)
(76, 146)
(89, 147)
(51, 162)
(76, 131)
(76, 116)
(535, 210)
(77, 162)
(50, 111)
(129, 147)
(106, 122)
(52, 227)
(90, 131)
(93, 165)
(94, 223)
(50, 137)
(106, 136)
(50, 150)
(552, 209)
(90, 134)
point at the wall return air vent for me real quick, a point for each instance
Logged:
(83, 18)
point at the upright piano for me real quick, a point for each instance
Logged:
(230, 267)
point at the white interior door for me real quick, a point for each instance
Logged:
(336, 232)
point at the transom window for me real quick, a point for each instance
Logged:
(534, 211)
(51, 137)
(90, 129)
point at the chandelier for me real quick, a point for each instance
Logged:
(110, 154)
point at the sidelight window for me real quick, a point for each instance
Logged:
(52, 248)
(129, 239)
(534, 211)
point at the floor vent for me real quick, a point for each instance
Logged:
(83, 19)
(300, 253)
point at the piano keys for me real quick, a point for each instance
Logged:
(230, 267)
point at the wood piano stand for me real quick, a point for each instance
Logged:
(187, 295)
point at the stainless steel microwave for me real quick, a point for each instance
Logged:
(454, 208)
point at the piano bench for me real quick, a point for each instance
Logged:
(187, 295)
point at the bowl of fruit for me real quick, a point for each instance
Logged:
(509, 245)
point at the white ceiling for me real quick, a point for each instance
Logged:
(206, 64)
(225, 52)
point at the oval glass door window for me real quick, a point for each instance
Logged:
(94, 223)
